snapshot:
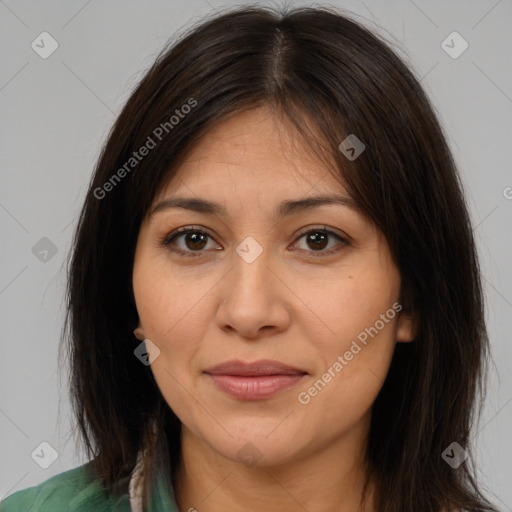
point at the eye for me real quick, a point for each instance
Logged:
(318, 238)
(194, 241)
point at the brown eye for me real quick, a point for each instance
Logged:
(318, 239)
(193, 241)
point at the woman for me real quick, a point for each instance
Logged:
(274, 293)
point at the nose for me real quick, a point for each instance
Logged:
(255, 302)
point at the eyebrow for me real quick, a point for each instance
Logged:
(285, 208)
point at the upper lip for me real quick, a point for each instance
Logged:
(261, 367)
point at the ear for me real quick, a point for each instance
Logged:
(405, 329)
(138, 333)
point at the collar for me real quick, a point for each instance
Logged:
(134, 486)
(162, 496)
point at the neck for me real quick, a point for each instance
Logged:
(328, 480)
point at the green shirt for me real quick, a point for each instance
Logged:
(76, 491)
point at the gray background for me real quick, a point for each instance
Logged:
(56, 112)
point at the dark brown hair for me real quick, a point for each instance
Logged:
(329, 77)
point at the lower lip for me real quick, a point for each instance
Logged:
(256, 387)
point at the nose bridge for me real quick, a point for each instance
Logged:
(251, 263)
(250, 294)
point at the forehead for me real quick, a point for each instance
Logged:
(252, 152)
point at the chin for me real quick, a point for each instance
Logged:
(255, 445)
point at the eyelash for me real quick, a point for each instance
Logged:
(168, 239)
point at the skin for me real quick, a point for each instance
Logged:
(290, 304)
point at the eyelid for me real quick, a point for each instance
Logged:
(343, 240)
(322, 227)
(168, 238)
(185, 229)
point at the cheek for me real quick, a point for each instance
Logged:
(172, 314)
(359, 332)
(343, 305)
(350, 375)
(164, 301)
(168, 317)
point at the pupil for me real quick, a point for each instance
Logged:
(314, 238)
(195, 239)
(198, 239)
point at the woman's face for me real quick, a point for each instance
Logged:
(313, 288)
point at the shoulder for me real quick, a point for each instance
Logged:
(71, 491)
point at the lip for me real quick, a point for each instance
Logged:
(254, 380)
